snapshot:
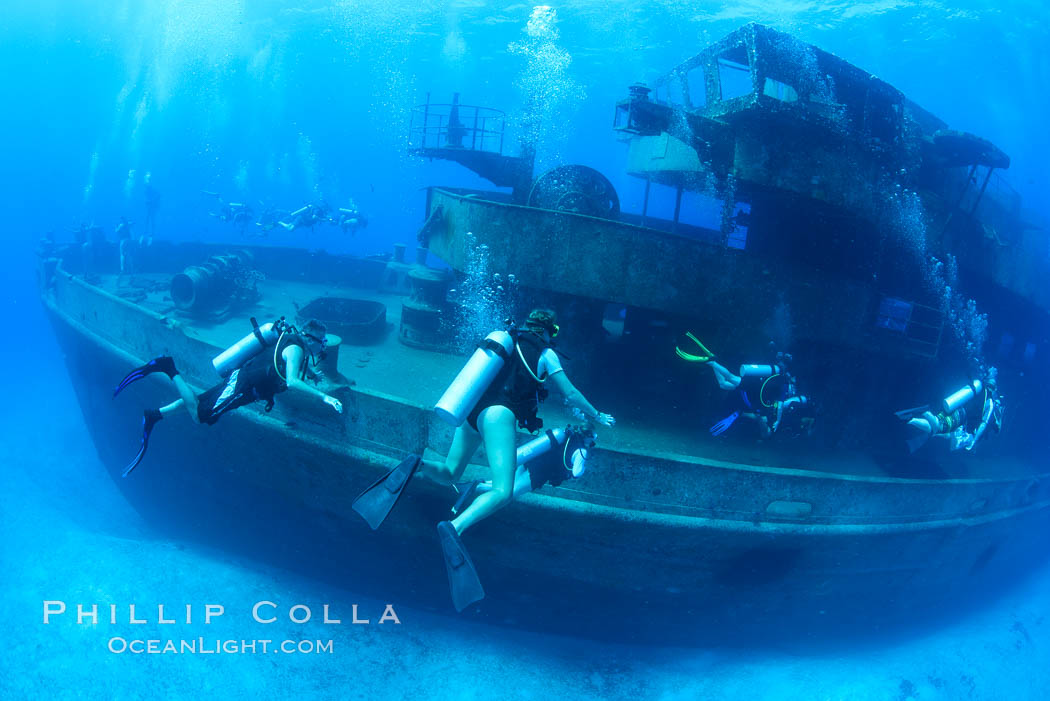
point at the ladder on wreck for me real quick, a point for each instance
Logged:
(915, 329)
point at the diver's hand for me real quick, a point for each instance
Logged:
(334, 403)
(605, 419)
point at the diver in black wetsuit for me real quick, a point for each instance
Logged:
(510, 400)
(127, 246)
(308, 216)
(351, 219)
(258, 379)
(766, 394)
(554, 468)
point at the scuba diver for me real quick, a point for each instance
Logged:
(457, 130)
(251, 372)
(232, 212)
(269, 219)
(308, 216)
(498, 389)
(149, 228)
(91, 239)
(539, 463)
(350, 219)
(779, 403)
(950, 423)
(127, 246)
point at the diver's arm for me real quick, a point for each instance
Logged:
(986, 416)
(573, 396)
(762, 421)
(780, 415)
(293, 360)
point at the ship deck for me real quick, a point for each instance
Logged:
(645, 428)
(692, 543)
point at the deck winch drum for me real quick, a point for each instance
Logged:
(475, 377)
(210, 284)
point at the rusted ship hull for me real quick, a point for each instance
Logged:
(650, 546)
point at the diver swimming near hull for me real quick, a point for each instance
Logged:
(249, 374)
(516, 372)
(766, 394)
(950, 424)
(540, 462)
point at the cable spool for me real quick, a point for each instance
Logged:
(208, 285)
(578, 189)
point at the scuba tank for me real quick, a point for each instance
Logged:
(248, 347)
(576, 463)
(475, 377)
(540, 446)
(758, 370)
(961, 397)
(580, 455)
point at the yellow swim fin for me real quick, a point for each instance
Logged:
(705, 356)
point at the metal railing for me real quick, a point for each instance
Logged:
(456, 126)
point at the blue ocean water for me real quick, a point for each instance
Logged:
(279, 105)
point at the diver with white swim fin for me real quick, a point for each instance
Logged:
(950, 423)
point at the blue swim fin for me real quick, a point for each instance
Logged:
(163, 364)
(149, 420)
(722, 426)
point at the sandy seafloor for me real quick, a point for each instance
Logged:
(68, 535)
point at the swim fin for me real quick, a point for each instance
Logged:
(376, 502)
(164, 363)
(722, 426)
(463, 580)
(919, 430)
(149, 419)
(705, 355)
(467, 492)
(909, 414)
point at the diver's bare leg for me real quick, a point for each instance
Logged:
(464, 444)
(726, 380)
(522, 483)
(188, 397)
(168, 408)
(497, 429)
